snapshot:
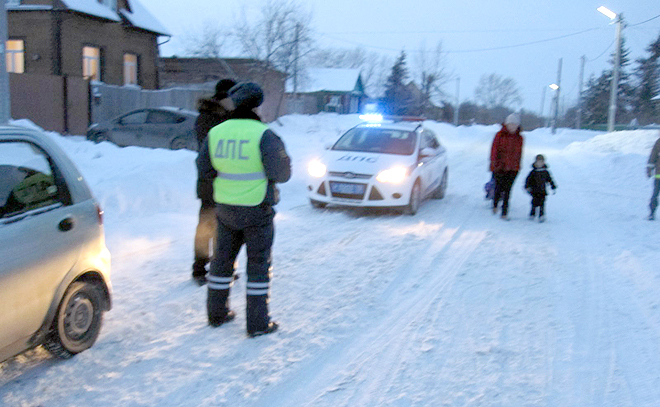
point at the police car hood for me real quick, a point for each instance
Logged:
(363, 163)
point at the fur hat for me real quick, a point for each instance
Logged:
(222, 87)
(246, 95)
(513, 118)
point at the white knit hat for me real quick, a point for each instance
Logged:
(513, 118)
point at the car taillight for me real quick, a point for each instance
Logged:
(99, 211)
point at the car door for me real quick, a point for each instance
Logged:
(429, 158)
(39, 241)
(128, 130)
(160, 128)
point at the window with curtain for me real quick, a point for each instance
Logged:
(92, 63)
(130, 69)
(15, 56)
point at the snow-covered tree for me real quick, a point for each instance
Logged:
(647, 73)
(398, 99)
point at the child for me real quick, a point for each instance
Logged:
(535, 185)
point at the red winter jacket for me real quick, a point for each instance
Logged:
(506, 152)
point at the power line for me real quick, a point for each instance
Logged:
(481, 49)
(470, 50)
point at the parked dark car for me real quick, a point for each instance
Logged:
(54, 264)
(162, 127)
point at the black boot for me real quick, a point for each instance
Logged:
(217, 306)
(199, 271)
(258, 320)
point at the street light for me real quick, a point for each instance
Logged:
(611, 115)
(554, 86)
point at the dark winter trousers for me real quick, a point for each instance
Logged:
(538, 201)
(258, 241)
(206, 229)
(503, 183)
(654, 197)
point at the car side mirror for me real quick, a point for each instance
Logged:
(427, 152)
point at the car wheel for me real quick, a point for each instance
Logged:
(415, 199)
(318, 204)
(440, 191)
(78, 320)
(99, 137)
(178, 143)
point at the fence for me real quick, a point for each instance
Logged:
(109, 101)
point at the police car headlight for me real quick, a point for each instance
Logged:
(395, 175)
(316, 169)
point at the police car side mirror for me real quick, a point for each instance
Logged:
(426, 152)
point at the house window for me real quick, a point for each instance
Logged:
(130, 69)
(15, 56)
(92, 63)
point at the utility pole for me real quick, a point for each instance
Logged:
(578, 123)
(542, 104)
(557, 91)
(458, 100)
(611, 116)
(5, 105)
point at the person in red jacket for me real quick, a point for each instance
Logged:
(505, 156)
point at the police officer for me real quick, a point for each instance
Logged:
(245, 159)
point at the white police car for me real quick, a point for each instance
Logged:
(380, 163)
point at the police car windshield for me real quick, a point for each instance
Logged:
(377, 140)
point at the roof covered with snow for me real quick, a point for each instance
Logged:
(138, 16)
(328, 80)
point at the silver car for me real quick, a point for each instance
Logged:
(162, 127)
(54, 264)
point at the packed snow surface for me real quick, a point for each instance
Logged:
(451, 307)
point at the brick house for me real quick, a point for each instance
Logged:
(61, 44)
(204, 73)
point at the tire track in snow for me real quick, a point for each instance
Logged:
(332, 372)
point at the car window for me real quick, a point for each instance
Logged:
(429, 140)
(134, 118)
(159, 117)
(377, 140)
(27, 180)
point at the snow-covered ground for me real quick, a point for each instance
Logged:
(451, 307)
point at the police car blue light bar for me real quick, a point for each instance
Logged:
(371, 117)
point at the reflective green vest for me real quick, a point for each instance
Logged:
(235, 154)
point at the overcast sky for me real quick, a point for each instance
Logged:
(515, 38)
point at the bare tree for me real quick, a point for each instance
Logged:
(208, 41)
(495, 91)
(432, 72)
(280, 38)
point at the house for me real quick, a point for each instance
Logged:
(204, 73)
(55, 47)
(326, 90)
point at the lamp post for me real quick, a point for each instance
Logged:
(611, 114)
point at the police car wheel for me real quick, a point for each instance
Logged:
(439, 192)
(318, 204)
(415, 199)
(78, 320)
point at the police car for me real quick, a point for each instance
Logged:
(380, 163)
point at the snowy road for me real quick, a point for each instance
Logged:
(451, 307)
